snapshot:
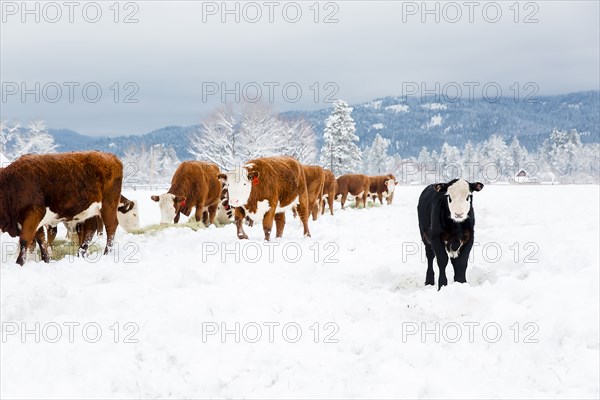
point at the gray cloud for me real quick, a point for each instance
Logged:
(372, 51)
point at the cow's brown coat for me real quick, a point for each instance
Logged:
(67, 184)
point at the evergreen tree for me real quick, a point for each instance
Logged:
(377, 156)
(561, 151)
(340, 152)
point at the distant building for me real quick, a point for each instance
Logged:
(523, 177)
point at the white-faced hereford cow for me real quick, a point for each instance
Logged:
(329, 191)
(446, 221)
(195, 184)
(315, 179)
(355, 184)
(382, 187)
(38, 190)
(264, 189)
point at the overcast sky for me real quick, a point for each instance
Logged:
(176, 59)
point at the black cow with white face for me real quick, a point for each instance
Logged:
(446, 221)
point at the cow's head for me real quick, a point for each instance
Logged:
(390, 184)
(459, 195)
(170, 205)
(239, 184)
(128, 215)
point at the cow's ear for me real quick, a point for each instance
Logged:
(475, 187)
(155, 198)
(179, 199)
(222, 178)
(440, 187)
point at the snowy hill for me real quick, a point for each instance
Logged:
(349, 313)
(410, 124)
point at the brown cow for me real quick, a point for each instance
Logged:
(382, 187)
(315, 179)
(355, 184)
(265, 188)
(329, 191)
(194, 185)
(38, 190)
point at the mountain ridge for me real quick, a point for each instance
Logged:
(408, 123)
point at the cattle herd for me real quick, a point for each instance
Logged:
(83, 191)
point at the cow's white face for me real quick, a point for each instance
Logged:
(130, 220)
(459, 197)
(169, 205)
(238, 185)
(391, 185)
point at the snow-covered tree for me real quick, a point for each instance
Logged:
(303, 136)
(424, 156)
(228, 138)
(496, 151)
(469, 155)
(376, 156)
(163, 162)
(518, 153)
(154, 165)
(340, 151)
(262, 134)
(450, 154)
(36, 140)
(217, 140)
(561, 151)
(6, 132)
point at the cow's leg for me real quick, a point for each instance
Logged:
(86, 231)
(358, 200)
(267, 222)
(28, 231)
(344, 197)
(80, 234)
(303, 213)
(52, 232)
(176, 219)
(364, 198)
(279, 224)
(460, 263)
(294, 212)
(380, 197)
(199, 212)
(40, 238)
(39, 235)
(315, 210)
(212, 212)
(442, 261)
(109, 218)
(239, 223)
(430, 275)
(323, 206)
(330, 202)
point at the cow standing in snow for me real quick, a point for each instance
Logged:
(38, 190)
(382, 187)
(194, 185)
(446, 222)
(356, 185)
(264, 189)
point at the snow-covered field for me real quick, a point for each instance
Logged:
(349, 318)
